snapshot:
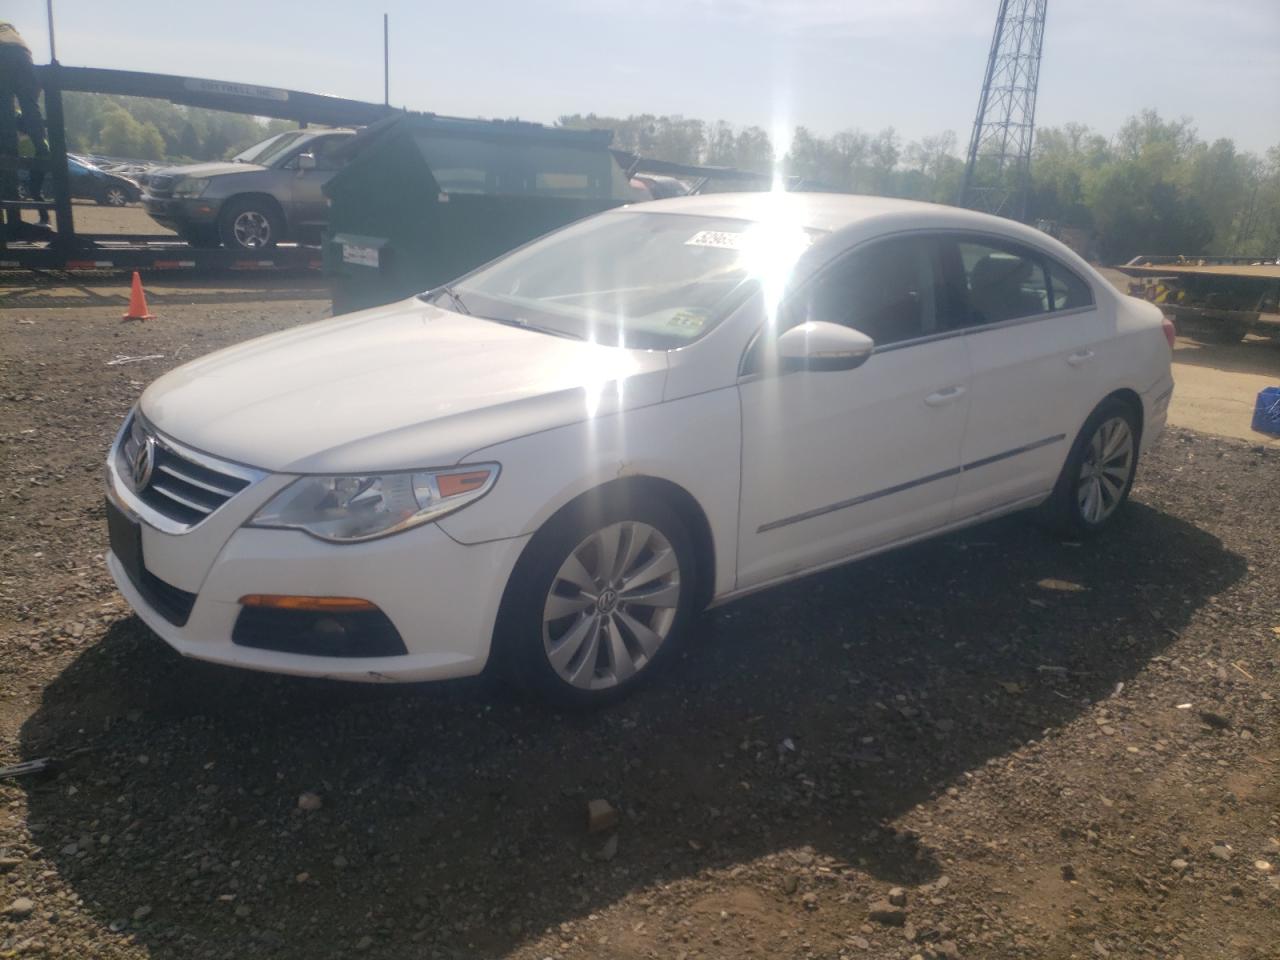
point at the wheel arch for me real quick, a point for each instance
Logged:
(1129, 398)
(642, 486)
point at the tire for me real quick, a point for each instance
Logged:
(604, 646)
(1089, 494)
(112, 196)
(250, 223)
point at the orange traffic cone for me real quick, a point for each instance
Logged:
(138, 302)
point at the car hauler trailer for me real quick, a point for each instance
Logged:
(1212, 298)
(26, 246)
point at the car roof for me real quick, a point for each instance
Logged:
(854, 216)
(819, 211)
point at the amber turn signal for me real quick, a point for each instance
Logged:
(452, 484)
(313, 604)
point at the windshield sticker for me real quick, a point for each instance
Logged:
(690, 320)
(723, 239)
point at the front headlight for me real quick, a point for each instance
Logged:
(349, 509)
(190, 187)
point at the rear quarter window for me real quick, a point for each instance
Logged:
(1069, 290)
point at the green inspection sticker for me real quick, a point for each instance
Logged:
(690, 320)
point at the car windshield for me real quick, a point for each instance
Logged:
(645, 280)
(269, 149)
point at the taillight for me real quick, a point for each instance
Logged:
(1170, 332)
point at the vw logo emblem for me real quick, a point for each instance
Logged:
(142, 464)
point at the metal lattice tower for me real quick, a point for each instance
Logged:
(997, 173)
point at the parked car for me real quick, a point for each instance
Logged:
(87, 183)
(267, 193)
(552, 463)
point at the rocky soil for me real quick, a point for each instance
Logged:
(994, 745)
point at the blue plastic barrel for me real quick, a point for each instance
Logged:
(1266, 412)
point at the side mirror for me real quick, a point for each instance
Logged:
(306, 161)
(819, 345)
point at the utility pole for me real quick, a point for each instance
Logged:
(386, 62)
(997, 172)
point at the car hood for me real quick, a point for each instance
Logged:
(399, 387)
(215, 169)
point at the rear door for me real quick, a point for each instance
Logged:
(1034, 339)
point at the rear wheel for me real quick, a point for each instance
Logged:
(1098, 475)
(598, 602)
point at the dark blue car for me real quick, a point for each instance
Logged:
(88, 183)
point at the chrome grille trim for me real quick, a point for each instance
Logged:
(179, 498)
(186, 486)
(185, 478)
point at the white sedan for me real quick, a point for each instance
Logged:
(553, 463)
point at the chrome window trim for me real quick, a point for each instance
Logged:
(950, 233)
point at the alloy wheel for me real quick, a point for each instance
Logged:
(611, 605)
(1105, 472)
(116, 197)
(252, 230)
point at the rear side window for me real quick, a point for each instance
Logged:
(1069, 291)
(1003, 282)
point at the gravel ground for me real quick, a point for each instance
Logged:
(994, 745)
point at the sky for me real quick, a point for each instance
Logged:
(915, 65)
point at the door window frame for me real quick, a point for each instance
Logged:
(955, 286)
(959, 283)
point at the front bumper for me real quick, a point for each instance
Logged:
(441, 596)
(178, 212)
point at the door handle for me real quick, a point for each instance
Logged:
(943, 397)
(1076, 359)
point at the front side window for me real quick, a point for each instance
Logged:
(325, 150)
(644, 280)
(891, 290)
(1004, 282)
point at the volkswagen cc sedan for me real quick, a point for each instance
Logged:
(551, 464)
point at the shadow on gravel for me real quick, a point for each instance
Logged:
(808, 716)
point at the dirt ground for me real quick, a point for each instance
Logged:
(1034, 748)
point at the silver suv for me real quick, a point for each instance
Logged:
(267, 193)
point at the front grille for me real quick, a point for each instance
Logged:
(179, 488)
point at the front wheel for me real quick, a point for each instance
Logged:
(249, 224)
(598, 602)
(1098, 475)
(113, 196)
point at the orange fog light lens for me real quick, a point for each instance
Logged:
(452, 484)
(313, 604)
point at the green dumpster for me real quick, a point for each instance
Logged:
(424, 199)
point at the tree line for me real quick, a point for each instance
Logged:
(139, 128)
(1153, 187)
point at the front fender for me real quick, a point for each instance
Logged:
(693, 442)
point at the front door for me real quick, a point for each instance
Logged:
(310, 208)
(835, 463)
